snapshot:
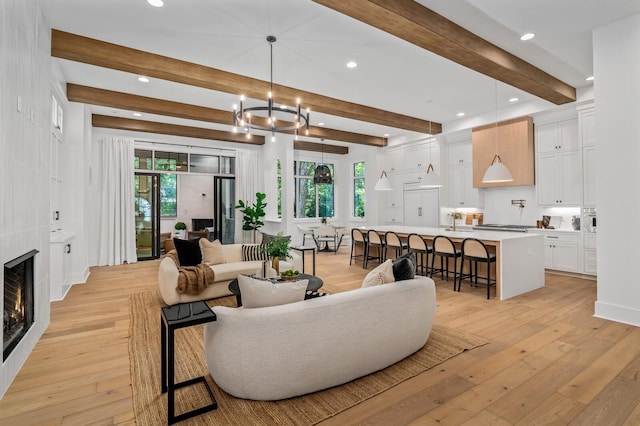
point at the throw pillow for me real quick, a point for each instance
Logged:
(261, 293)
(404, 267)
(382, 274)
(212, 253)
(252, 252)
(188, 252)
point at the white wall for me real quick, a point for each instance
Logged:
(617, 89)
(24, 159)
(195, 198)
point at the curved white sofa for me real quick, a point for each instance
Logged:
(288, 350)
(224, 273)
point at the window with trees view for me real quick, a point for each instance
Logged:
(312, 200)
(358, 189)
(279, 183)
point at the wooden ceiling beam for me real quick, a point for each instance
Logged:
(410, 21)
(133, 125)
(95, 52)
(319, 147)
(112, 99)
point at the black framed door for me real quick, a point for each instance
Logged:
(147, 215)
(224, 203)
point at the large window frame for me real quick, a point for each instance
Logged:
(319, 199)
(358, 187)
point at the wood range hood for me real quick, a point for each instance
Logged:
(514, 143)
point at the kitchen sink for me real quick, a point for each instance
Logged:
(458, 230)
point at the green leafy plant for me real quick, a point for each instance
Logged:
(180, 226)
(252, 214)
(290, 273)
(323, 220)
(278, 246)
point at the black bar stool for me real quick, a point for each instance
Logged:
(444, 248)
(393, 241)
(476, 251)
(359, 239)
(374, 242)
(418, 245)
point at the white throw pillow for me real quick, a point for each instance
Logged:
(212, 253)
(382, 274)
(260, 293)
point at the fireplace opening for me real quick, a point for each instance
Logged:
(17, 316)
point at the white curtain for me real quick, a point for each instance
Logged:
(116, 236)
(247, 184)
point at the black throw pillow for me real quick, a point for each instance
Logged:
(404, 267)
(189, 253)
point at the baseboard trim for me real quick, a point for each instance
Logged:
(617, 313)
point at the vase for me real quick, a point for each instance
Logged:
(275, 264)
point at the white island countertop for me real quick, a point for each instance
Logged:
(519, 255)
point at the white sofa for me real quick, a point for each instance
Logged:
(288, 350)
(224, 273)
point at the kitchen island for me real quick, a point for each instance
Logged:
(519, 255)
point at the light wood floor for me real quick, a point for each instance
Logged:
(549, 361)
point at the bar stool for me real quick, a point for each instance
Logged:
(392, 241)
(444, 248)
(419, 245)
(374, 241)
(358, 238)
(476, 251)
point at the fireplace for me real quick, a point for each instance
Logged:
(17, 316)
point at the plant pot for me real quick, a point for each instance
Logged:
(275, 264)
(289, 277)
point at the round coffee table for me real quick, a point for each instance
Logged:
(314, 284)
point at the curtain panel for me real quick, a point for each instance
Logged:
(116, 221)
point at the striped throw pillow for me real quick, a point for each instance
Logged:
(252, 252)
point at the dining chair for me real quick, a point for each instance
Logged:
(326, 234)
(305, 232)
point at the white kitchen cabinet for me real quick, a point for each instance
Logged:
(587, 130)
(393, 199)
(60, 266)
(461, 190)
(559, 179)
(558, 164)
(590, 253)
(557, 137)
(393, 161)
(422, 208)
(589, 175)
(561, 251)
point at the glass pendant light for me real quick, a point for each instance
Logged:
(323, 173)
(497, 171)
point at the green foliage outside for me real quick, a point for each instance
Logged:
(358, 190)
(168, 195)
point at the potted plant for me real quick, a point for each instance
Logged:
(277, 248)
(455, 216)
(323, 220)
(252, 214)
(181, 230)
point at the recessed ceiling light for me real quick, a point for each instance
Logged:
(143, 79)
(386, 135)
(514, 100)
(460, 114)
(590, 78)
(137, 114)
(320, 124)
(352, 64)
(156, 3)
(527, 36)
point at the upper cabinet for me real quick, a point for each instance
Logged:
(461, 190)
(513, 140)
(559, 168)
(587, 133)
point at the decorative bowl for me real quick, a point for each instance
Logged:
(289, 277)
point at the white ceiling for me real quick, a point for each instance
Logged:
(314, 44)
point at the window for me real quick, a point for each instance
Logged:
(142, 159)
(168, 195)
(279, 186)
(358, 189)
(171, 161)
(204, 163)
(312, 200)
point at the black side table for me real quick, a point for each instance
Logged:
(173, 318)
(302, 250)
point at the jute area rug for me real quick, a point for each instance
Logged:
(150, 405)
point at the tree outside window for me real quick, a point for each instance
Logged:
(312, 200)
(279, 183)
(358, 189)
(168, 195)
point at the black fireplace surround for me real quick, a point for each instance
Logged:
(18, 305)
